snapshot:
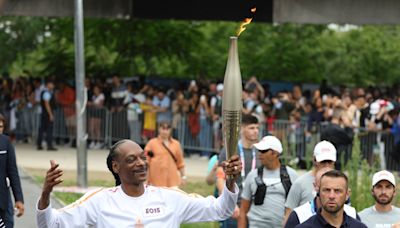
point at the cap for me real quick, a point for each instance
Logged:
(374, 108)
(383, 175)
(269, 142)
(220, 87)
(324, 150)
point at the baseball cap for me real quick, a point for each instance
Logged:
(269, 142)
(324, 150)
(374, 108)
(383, 175)
(220, 87)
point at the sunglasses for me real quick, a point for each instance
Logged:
(264, 151)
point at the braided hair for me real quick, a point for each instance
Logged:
(111, 157)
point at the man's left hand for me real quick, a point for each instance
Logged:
(20, 206)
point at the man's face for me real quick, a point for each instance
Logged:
(250, 132)
(333, 193)
(324, 164)
(383, 192)
(267, 157)
(160, 95)
(130, 164)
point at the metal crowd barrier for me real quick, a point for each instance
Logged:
(106, 127)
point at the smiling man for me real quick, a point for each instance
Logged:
(333, 193)
(132, 203)
(383, 214)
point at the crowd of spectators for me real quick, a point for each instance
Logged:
(199, 102)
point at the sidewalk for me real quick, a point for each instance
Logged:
(30, 158)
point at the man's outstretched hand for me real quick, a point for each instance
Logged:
(52, 179)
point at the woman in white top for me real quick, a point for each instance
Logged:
(96, 113)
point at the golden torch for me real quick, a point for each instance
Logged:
(232, 97)
(232, 100)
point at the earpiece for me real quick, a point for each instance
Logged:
(317, 194)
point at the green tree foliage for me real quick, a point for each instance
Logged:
(191, 49)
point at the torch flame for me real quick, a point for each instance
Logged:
(245, 22)
(242, 27)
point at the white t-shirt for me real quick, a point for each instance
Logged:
(157, 207)
(375, 219)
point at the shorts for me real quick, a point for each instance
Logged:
(149, 133)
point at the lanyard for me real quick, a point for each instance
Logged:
(253, 163)
(313, 209)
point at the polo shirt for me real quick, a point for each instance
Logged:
(319, 221)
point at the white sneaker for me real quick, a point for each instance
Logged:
(98, 145)
(92, 145)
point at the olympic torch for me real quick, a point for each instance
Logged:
(232, 100)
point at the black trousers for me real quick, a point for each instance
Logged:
(46, 127)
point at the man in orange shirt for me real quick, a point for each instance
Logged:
(165, 158)
(66, 98)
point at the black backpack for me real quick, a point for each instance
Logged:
(259, 196)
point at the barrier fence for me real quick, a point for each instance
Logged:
(105, 127)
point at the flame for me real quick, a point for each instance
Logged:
(242, 27)
(245, 22)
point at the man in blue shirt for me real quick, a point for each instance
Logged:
(333, 193)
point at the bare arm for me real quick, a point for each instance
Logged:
(48, 109)
(52, 179)
(244, 208)
(285, 218)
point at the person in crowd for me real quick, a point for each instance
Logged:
(133, 112)
(216, 114)
(249, 134)
(65, 97)
(382, 213)
(118, 116)
(179, 110)
(165, 159)
(205, 134)
(132, 203)
(340, 134)
(48, 104)
(302, 213)
(150, 118)
(10, 179)
(193, 119)
(301, 192)
(163, 106)
(265, 189)
(333, 193)
(96, 115)
(255, 86)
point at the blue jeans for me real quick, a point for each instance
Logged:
(229, 223)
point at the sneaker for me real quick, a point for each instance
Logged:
(92, 145)
(98, 145)
(39, 148)
(51, 149)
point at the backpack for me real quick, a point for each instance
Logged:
(259, 196)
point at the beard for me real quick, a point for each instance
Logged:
(383, 201)
(332, 210)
